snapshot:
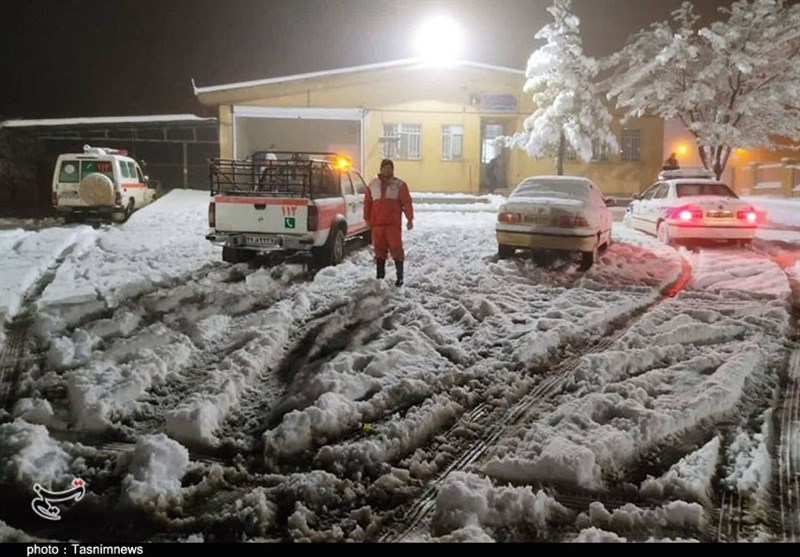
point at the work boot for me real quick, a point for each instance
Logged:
(381, 267)
(399, 266)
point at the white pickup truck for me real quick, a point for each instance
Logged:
(292, 202)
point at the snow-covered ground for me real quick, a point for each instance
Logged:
(541, 403)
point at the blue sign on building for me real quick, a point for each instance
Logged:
(498, 103)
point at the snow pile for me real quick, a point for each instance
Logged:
(152, 471)
(24, 259)
(451, 202)
(630, 519)
(28, 455)
(750, 472)
(689, 479)
(37, 411)
(589, 436)
(197, 420)
(12, 535)
(107, 389)
(466, 499)
(596, 535)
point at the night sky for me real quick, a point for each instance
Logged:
(70, 58)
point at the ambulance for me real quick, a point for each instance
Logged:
(99, 183)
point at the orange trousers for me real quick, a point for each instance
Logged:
(388, 238)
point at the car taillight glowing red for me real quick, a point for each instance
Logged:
(509, 217)
(686, 213)
(749, 216)
(212, 215)
(313, 217)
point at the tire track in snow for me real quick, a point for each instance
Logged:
(492, 427)
(181, 378)
(12, 358)
(788, 453)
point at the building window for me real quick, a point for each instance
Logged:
(631, 144)
(599, 151)
(452, 142)
(402, 141)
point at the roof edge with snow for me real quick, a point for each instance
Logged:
(341, 71)
(22, 123)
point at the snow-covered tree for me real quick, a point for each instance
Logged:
(733, 84)
(569, 111)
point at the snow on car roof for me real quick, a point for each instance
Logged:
(553, 186)
(690, 172)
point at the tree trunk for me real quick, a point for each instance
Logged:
(715, 157)
(562, 147)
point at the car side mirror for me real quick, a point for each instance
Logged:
(610, 202)
(636, 196)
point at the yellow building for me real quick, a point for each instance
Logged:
(438, 124)
(773, 172)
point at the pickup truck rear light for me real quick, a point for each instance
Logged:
(118, 198)
(313, 218)
(55, 199)
(749, 216)
(212, 215)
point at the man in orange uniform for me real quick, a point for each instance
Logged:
(386, 200)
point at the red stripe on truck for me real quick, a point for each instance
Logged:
(327, 213)
(262, 201)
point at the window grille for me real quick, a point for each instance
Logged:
(631, 145)
(452, 142)
(402, 141)
(599, 151)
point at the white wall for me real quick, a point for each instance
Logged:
(299, 134)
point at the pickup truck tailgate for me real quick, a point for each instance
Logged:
(267, 215)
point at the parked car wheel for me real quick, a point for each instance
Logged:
(588, 259)
(504, 251)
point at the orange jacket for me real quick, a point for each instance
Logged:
(386, 201)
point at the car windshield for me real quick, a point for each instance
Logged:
(552, 188)
(693, 190)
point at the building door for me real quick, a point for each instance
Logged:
(493, 166)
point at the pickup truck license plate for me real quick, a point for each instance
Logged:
(262, 241)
